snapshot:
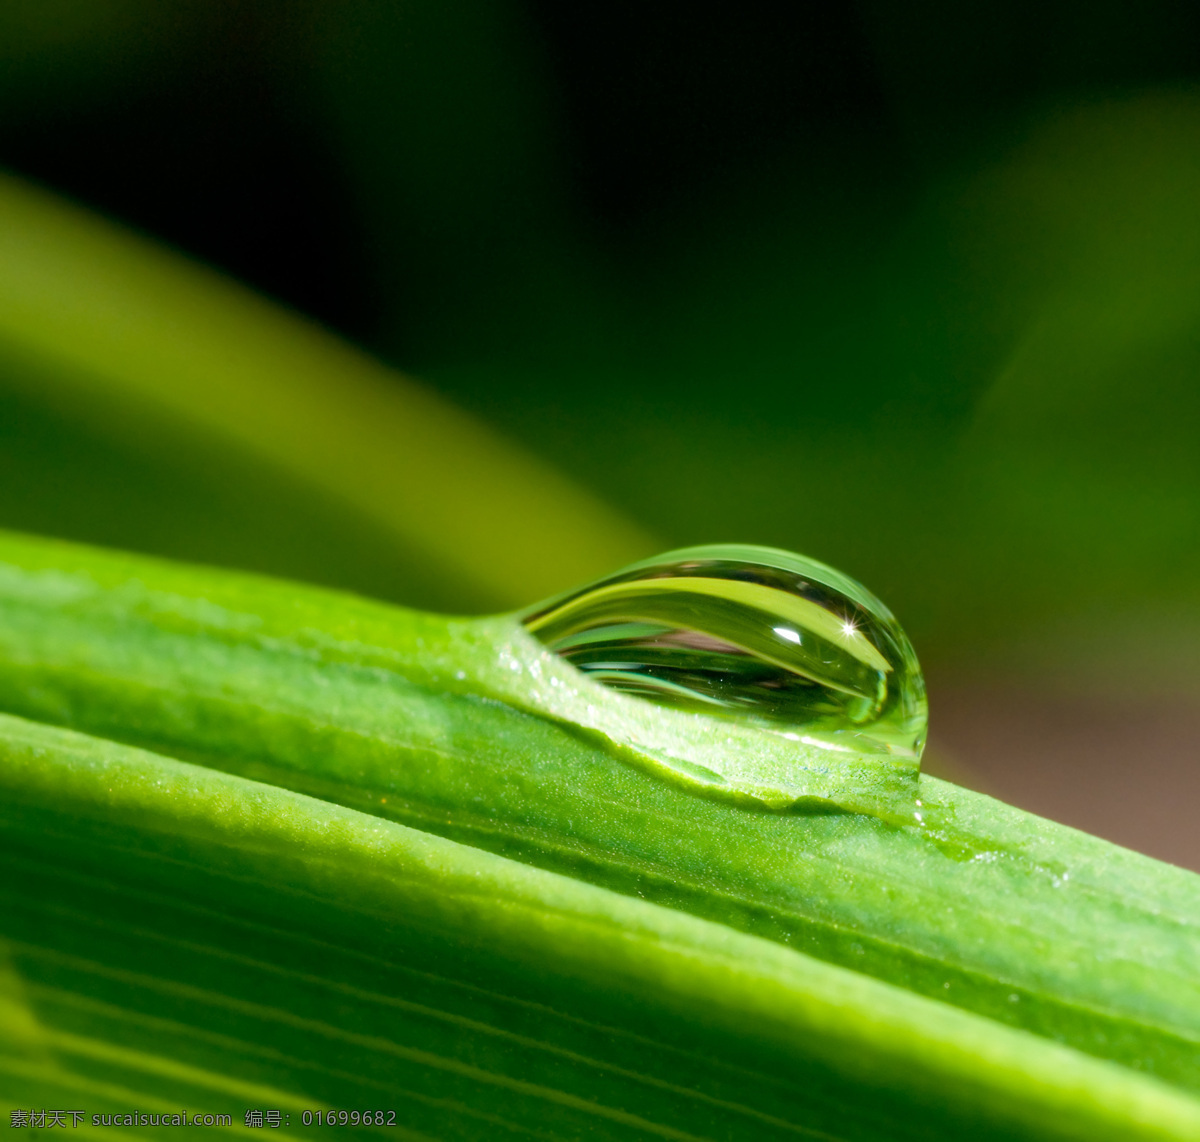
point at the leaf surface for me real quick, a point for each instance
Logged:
(444, 725)
(248, 946)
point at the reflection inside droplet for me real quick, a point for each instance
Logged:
(749, 632)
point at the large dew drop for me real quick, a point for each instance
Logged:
(752, 633)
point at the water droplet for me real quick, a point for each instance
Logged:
(751, 633)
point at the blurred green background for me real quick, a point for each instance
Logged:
(913, 289)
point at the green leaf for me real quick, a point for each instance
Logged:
(172, 364)
(191, 940)
(470, 730)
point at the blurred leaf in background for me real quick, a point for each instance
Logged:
(177, 365)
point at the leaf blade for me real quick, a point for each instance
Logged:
(697, 978)
(395, 713)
